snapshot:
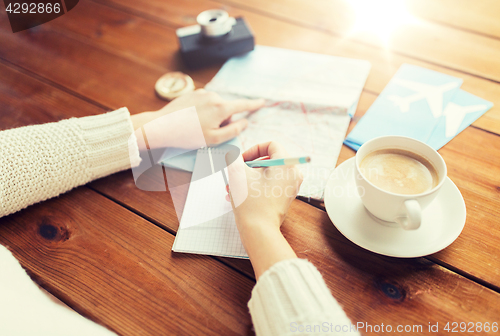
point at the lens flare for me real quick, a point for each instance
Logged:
(380, 18)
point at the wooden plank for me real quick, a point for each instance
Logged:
(479, 189)
(26, 101)
(117, 269)
(476, 251)
(82, 68)
(104, 261)
(435, 43)
(477, 16)
(273, 32)
(140, 40)
(393, 290)
(103, 96)
(109, 245)
(112, 33)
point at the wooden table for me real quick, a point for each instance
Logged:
(105, 249)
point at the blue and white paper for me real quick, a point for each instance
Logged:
(413, 104)
(462, 111)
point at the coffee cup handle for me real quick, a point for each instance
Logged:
(413, 216)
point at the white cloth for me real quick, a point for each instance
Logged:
(42, 161)
(26, 311)
(291, 298)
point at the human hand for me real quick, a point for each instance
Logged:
(260, 198)
(268, 192)
(214, 114)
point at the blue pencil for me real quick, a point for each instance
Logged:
(278, 162)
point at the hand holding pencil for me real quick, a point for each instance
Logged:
(260, 198)
(256, 187)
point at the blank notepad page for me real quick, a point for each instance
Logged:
(207, 225)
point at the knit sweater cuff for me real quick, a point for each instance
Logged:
(110, 141)
(293, 293)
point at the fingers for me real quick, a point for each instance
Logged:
(237, 178)
(241, 105)
(272, 149)
(227, 132)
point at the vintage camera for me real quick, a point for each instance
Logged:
(215, 38)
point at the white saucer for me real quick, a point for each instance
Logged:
(442, 220)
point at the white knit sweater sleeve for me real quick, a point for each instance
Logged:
(42, 161)
(291, 298)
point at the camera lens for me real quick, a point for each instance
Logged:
(215, 22)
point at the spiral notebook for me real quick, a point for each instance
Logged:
(207, 225)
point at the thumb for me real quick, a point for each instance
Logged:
(237, 179)
(229, 131)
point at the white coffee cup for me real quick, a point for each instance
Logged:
(405, 210)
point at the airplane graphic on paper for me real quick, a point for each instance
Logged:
(432, 93)
(455, 114)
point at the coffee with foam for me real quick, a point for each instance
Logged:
(399, 171)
